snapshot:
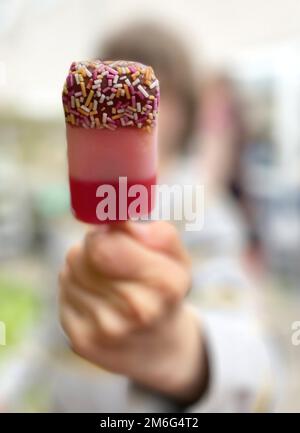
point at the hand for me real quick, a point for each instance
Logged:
(121, 305)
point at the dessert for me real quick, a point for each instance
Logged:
(111, 110)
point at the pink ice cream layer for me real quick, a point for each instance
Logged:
(95, 154)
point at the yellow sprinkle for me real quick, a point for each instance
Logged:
(119, 70)
(127, 91)
(135, 75)
(113, 110)
(127, 70)
(72, 119)
(83, 112)
(82, 85)
(151, 73)
(81, 78)
(117, 116)
(66, 108)
(89, 98)
(147, 73)
(82, 71)
(92, 113)
(118, 93)
(132, 109)
(77, 102)
(149, 121)
(152, 97)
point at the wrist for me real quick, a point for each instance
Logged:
(190, 363)
(180, 367)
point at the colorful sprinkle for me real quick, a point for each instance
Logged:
(111, 94)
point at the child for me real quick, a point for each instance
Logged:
(124, 292)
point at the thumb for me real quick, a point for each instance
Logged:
(160, 236)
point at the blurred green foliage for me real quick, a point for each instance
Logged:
(19, 308)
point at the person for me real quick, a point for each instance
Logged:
(175, 325)
(225, 139)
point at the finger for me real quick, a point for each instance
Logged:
(161, 236)
(105, 320)
(133, 300)
(119, 256)
(67, 294)
(85, 276)
(76, 328)
(147, 305)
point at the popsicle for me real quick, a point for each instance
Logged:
(111, 113)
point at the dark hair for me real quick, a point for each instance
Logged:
(153, 45)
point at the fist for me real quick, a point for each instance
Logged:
(121, 303)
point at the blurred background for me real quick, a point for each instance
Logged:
(247, 72)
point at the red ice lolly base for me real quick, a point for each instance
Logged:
(99, 158)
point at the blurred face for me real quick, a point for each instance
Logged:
(171, 124)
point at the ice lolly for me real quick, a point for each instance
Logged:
(111, 110)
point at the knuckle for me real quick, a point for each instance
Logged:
(132, 301)
(116, 334)
(79, 345)
(101, 253)
(174, 295)
(150, 319)
(143, 318)
(179, 286)
(168, 233)
(105, 331)
(77, 340)
(145, 308)
(187, 262)
(71, 256)
(64, 276)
